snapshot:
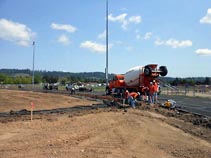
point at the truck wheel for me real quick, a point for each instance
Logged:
(108, 92)
(118, 91)
(147, 70)
(163, 70)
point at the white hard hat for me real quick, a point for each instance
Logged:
(150, 82)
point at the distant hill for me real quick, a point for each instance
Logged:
(59, 74)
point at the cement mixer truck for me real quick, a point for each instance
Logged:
(136, 79)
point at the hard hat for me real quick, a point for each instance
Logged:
(153, 80)
(150, 82)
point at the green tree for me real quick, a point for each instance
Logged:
(207, 81)
(63, 80)
(17, 80)
(3, 78)
(50, 79)
(37, 79)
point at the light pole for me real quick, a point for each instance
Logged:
(106, 42)
(33, 64)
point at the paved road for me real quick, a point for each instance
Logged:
(193, 104)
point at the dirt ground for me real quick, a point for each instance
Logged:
(97, 133)
(17, 100)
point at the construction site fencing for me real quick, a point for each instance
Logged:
(195, 91)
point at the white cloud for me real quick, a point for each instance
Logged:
(16, 32)
(64, 40)
(159, 42)
(93, 46)
(124, 21)
(135, 19)
(174, 43)
(102, 35)
(148, 35)
(64, 27)
(203, 51)
(119, 18)
(207, 18)
(124, 25)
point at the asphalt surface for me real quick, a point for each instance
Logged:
(193, 104)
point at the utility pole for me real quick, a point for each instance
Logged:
(106, 42)
(33, 64)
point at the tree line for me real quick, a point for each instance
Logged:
(191, 81)
(16, 76)
(26, 79)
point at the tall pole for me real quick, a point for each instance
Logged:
(106, 42)
(33, 64)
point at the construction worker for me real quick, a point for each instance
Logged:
(144, 92)
(132, 98)
(156, 91)
(151, 93)
(126, 94)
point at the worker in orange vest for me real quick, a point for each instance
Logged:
(155, 91)
(151, 93)
(126, 94)
(132, 98)
(144, 93)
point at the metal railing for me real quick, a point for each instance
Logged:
(194, 91)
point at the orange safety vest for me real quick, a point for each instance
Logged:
(155, 87)
(151, 89)
(134, 95)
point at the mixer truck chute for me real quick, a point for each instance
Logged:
(136, 78)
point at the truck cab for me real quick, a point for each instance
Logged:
(116, 83)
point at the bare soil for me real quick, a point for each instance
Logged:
(17, 100)
(103, 132)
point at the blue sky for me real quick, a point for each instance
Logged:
(69, 35)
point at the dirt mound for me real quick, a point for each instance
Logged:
(191, 123)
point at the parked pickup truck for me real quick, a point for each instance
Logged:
(70, 87)
(50, 86)
(75, 87)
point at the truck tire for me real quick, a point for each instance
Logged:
(108, 92)
(147, 70)
(118, 91)
(163, 70)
